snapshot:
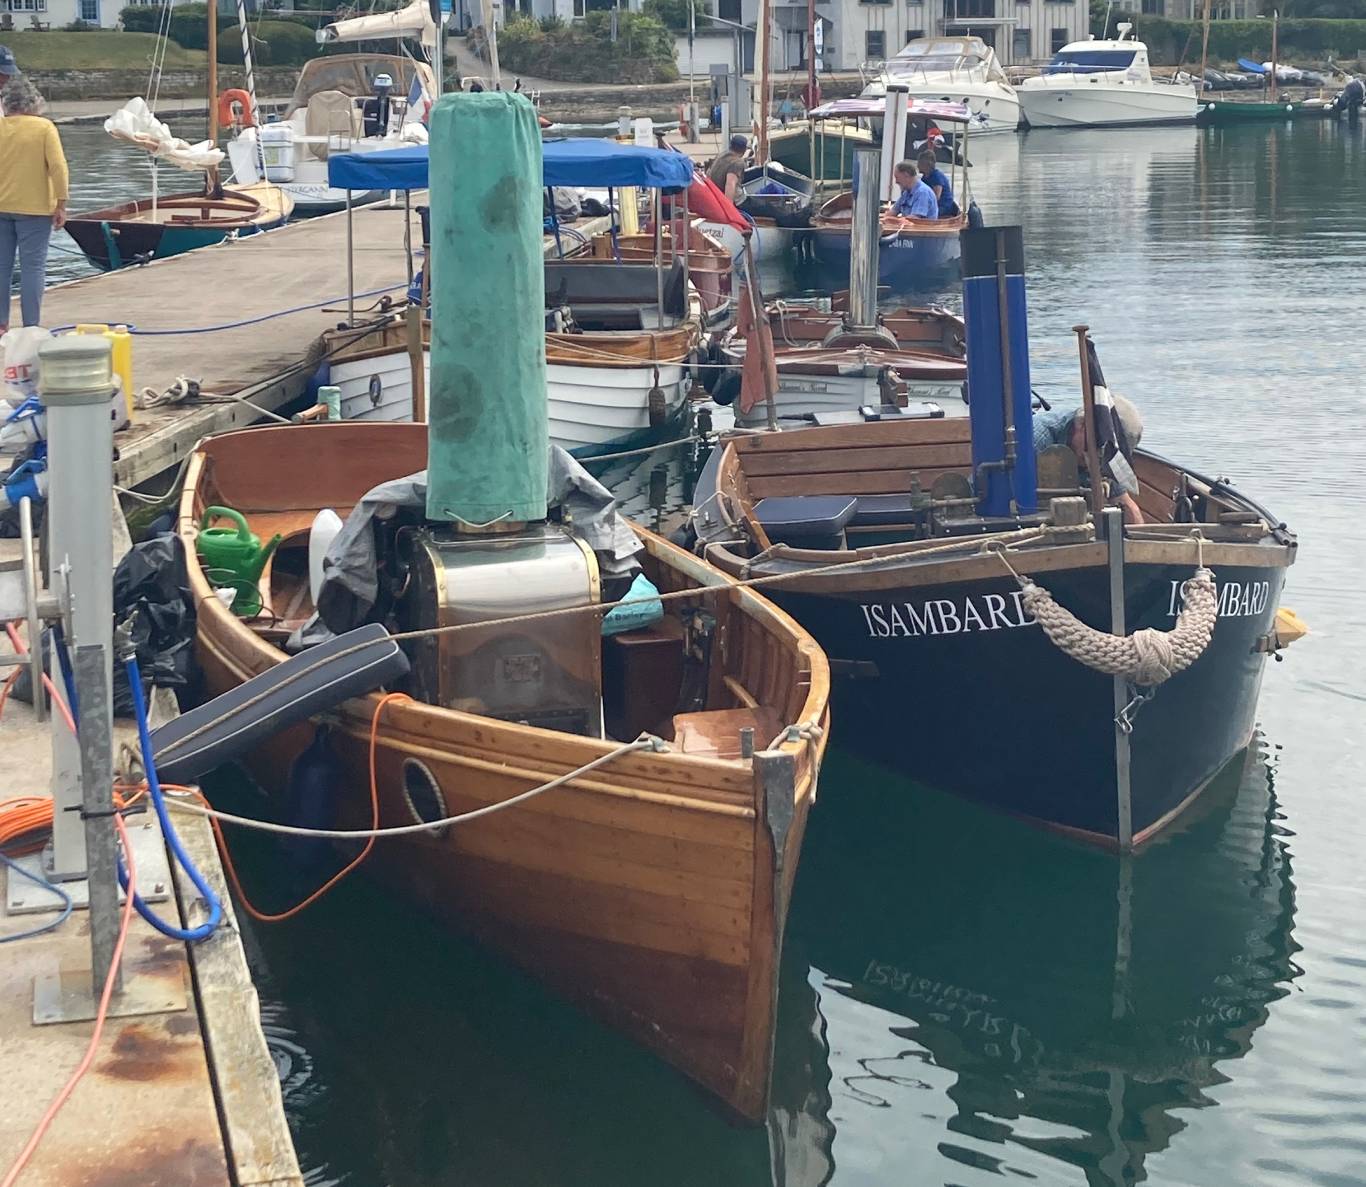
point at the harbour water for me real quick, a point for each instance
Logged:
(965, 999)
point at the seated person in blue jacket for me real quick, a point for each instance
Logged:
(916, 199)
(934, 177)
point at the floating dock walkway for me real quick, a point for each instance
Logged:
(244, 318)
(182, 1088)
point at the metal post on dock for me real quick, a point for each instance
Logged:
(76, 385)
(863, 241)
(1114, 540)
(350, 262)
(97, 780)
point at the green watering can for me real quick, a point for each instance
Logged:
(233, 558)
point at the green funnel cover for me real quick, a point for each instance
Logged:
(486, 446)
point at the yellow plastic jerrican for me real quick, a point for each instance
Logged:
(121, 348)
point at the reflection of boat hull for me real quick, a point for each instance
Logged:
(142, 231)
(1103, 104)
(1096, 997)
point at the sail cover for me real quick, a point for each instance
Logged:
(413, 21)
(135, 123)
(586, 162)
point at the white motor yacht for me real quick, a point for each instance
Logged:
(1104, 83)
(954, 70)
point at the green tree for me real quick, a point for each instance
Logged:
(674, 13)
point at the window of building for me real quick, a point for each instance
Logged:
(729, 10)
(90, 11)
(1021, 47)
(965, 10)
(875, 1)
(874, 44)
(914, 35)
(1057, 39)
(1154, 7)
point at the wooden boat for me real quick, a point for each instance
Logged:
(710, 266)
(145, 230)
(833, 158)
(773, 191)
(913, 358)
(914, 252)
(616, 377)
(950, 677)
(653, 893)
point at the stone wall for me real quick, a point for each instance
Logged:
(121, 85)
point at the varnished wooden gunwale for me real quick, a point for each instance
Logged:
(648, 892)
(881, 457)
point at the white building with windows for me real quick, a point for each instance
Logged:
(856, 31)
(56, 14)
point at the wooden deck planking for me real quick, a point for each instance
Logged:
(189, 1097)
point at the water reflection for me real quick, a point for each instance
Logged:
(1041, 1003)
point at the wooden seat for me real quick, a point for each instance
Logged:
(716, 732)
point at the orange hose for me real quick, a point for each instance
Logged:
(280, 917)
(101, 1012)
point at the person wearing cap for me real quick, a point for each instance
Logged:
(1067, 426)
(33, 193)
(375, 111)
(9, 68)
(729, 168)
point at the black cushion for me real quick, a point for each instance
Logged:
(794, 517)
(877, 510)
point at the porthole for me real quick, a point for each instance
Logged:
(422, 793)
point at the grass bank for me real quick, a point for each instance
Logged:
(102, 49)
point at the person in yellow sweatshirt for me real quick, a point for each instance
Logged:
(33, 193)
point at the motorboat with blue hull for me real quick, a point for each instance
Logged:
(1086, 655)
(944, 670)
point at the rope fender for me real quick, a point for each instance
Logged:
(1148, 657)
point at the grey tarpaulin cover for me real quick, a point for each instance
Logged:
(350, 582)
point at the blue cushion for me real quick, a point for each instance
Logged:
(799, 516)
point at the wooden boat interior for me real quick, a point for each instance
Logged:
(233, 208)
(929, 331)
(714, 665)
(837, 214)
(705, 253)
(594, 294)
(901, 480)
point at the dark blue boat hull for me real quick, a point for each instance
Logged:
(954, 685)
(909, 262)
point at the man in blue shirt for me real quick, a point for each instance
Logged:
(934, 177)
(916, 199)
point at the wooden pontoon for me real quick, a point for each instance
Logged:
(652, 892)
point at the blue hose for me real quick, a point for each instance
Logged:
(205, 929)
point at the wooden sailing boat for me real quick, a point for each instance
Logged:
(161, 226)
(652, 892)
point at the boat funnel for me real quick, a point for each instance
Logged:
(487, 426)
(999, 397)
(863, 241)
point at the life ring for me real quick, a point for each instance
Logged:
(227, 116)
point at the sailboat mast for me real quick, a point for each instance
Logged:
(765, 83)
(1204, 49)
(813, 95)
(213, 70)
(1275, 24)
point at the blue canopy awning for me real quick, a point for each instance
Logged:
(595, 163)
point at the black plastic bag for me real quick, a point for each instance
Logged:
(150, 579)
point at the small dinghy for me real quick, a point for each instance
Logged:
(157, 228)
(911, 359)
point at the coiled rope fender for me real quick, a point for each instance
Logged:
(1147, 657)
